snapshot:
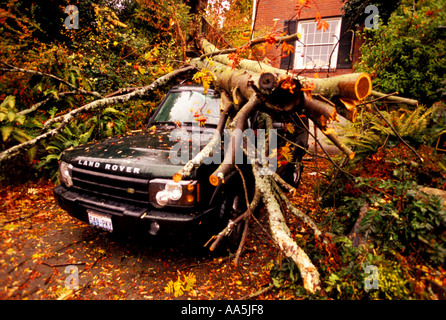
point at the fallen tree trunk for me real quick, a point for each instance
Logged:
(258, 87)
(281, 235)
(242, 85)
(354, 86)
(248, 91)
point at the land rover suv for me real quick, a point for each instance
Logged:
(125, 183)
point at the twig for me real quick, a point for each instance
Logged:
(2, 223)
(258, 293)
(249, 212)
(11, 68)
(326, 153)
(391, 97)
(380, 97)
(231, 224)
(63, 264)
(252, 43)
(36, 106)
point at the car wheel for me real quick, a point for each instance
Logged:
(292, 172)
(233, 205)
(297, 172)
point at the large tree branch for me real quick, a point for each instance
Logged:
(282, 235)
(239, 124)
(63, 120)
(355, 86)
(38, 105)
(211, 145)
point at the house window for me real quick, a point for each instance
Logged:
(317, 48)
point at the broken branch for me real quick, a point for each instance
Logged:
(63, 120)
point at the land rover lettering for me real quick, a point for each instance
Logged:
(115, 167)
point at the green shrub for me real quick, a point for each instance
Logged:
(408, 55)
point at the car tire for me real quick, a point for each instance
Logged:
(296, 173)
(233, 205)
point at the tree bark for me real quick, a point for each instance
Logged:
(208, 149)
(354, 86)
(239, 124)
(242, 85)
(282, 237)
(411, 102)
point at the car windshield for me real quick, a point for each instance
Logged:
(190, 106)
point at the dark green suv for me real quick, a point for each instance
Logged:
(125, 183)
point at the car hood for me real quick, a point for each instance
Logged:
(143, 154)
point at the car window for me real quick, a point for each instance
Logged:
(190, 106)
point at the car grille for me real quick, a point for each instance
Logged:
(113, 187)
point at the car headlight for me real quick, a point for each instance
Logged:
(65, 173)
(165, 192)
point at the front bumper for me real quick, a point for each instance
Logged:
(130, 218)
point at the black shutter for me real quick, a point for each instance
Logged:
(287, 62)
(345, 45)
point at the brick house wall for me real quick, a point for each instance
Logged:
(281, 15)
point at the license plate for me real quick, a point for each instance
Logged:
(100, 220)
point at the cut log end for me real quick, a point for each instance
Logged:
(267, 81)
(214, 180)
(358, 89)
(363, 86)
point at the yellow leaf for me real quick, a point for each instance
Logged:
(289, 127)
(285, 152)
(10, 227)
(37, 255)
(328, 131)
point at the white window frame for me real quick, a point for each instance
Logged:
(318, 41)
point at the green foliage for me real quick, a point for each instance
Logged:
(108, 123)
(355, 13)
(402, 221)
(119, 44)
(375, 130)
(9, 122)
(232, 22)
(285, 274)
(402, 229)
(349, 281)
(408, 54)
(421, 126)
